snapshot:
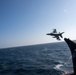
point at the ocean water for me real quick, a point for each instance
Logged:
(44, 59)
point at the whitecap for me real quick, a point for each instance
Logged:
(58, 66)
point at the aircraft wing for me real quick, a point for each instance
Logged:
(57, 37)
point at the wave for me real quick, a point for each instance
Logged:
(58, 66)
(21, 71)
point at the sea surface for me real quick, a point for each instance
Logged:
(43, 59)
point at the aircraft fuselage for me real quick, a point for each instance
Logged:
(53, 34)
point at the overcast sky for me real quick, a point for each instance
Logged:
(26, 22)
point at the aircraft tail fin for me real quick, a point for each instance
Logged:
(61, 35)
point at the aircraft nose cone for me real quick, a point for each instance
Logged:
(47, 34)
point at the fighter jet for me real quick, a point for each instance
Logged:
(56, 35)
